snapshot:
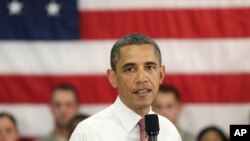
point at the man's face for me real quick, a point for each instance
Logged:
(8, 131)
(64, 106)
(167, 105)
(138, 76)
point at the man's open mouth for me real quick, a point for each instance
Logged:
(142, 92)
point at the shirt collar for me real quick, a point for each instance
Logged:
(128, 118)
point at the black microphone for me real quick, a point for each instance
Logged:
(152, 126)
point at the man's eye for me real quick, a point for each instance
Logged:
(57, 104)
(129, 69)
(150, 67)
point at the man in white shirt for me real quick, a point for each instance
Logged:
(136, 72)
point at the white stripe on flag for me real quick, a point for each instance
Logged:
(92, 57)
(154, 4)
(194, 117)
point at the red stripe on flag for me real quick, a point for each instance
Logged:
(96, 89)
(221, 88)
(181, 23)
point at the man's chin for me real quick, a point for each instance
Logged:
(62, 124)
(144, 104)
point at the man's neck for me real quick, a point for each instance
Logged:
(61, 132)
(142, 111)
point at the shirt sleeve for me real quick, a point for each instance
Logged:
(76, 136)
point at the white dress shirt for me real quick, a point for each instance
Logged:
(119, 123)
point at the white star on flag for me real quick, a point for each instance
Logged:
(15, 7)
(53, 8)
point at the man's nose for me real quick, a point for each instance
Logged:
(141, 76)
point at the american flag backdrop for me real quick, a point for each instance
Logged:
(205, 47)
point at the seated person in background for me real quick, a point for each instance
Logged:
(73, 123)
(167, 103)
(211, 133)
(8, 128)
(64, 106)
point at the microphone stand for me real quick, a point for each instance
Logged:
(152, 138)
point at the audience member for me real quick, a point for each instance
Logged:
(211, 133)
(167, 103)
(8, 128)
(64, 106)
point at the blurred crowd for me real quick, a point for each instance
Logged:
(64, 106)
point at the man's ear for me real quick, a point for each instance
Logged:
(162, 73)
(112, 78)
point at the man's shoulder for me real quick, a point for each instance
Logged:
(165, 123)
(97, 127)
(96, 121)
(164, 120)
(166, 126)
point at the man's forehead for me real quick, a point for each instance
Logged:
(62, 94)
(136, 47)
(167, 95)
(144, 53)
(6, 120)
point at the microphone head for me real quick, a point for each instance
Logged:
(152, 124)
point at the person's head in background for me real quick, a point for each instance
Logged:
(167, 103)
(211, 133)
(8, 128)
(64, 106)
(75, 120)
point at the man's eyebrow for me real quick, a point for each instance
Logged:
(150, 63)
(128, 65)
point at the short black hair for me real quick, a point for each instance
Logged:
(170, 89)
(9, 116)
(132, 39)
(66, 87)
(212, 128)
